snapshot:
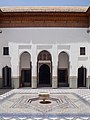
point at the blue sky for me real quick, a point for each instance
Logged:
(44, 2)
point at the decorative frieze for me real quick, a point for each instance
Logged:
(44, 46)
(74, 24)
(82, 58)
(24, 46)
(67, 47)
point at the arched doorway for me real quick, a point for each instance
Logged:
(44, 69)
(63, 69)
(44, 75)
(25, 70)
(82, 76)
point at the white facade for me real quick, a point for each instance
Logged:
(53, 40)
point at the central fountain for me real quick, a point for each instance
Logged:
(44, 97)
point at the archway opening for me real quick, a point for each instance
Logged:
(63, 69)
(25, 70)
(82, 76)
(44, 75)
(44, 69)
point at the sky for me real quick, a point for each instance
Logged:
(44, 2)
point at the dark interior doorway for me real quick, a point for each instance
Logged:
(82, 77)
(44, 76)
(6, 74)
(63, 78)
(26, 77)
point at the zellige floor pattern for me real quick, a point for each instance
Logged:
(82, 94)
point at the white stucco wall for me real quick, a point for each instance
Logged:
(55, 40)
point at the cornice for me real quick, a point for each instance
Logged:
(88, 11)
(44, 19)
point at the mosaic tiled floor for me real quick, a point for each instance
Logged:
(65, 104)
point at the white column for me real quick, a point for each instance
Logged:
(73, 67)
(14, 64)
(54, 66)
(34, 66)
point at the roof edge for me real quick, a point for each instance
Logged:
(45, 9)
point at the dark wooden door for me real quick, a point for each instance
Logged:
(44, 76)
(26, 77)
(62, 77)
(82, 77)
(6, 74)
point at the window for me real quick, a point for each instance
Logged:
(82, 50)
(5, 50)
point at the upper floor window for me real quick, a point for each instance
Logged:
(82, 50)
(5, 50)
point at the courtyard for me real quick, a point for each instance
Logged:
(64, 104)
